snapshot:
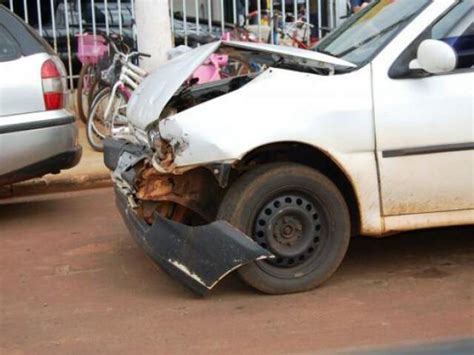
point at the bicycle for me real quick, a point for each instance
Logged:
(91, 48)
(107, 115)
(299, 34)
(95, 55)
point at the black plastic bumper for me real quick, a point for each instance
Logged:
(114, 148)
(54, 164)
(199, 257)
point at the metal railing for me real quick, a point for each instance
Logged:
(215, 17)
(61, 21)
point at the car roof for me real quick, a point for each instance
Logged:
(28, 40)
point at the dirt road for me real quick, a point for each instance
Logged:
(73, 281)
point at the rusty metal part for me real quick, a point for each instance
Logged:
(163, 160)
(168, 161)
(153, 186)
(196, 190)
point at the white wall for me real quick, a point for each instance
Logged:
(154, 31)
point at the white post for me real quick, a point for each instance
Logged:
(153, 31)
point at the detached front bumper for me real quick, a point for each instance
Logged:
(197, 256)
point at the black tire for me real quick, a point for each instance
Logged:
(299, 215)
(82, 93)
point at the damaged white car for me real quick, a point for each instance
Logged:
(271, 173)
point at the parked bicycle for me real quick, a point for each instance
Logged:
(107, 114)
(90, 49)
(298, 34)
(95, 55)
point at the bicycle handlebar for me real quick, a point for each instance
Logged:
(115, 40)
(138, 54)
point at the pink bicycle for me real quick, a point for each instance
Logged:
(91, 48)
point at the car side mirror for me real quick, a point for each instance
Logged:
(434, 57)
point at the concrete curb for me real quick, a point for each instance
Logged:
(53, 184)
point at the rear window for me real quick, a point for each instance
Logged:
(8, 47)
(28, 40)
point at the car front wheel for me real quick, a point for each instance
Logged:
(299, 215)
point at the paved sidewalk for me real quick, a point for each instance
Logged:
(89, 173)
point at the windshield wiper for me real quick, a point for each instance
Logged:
(370, 39)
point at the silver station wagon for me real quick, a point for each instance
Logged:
(37, 135)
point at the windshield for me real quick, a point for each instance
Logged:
(366, 33)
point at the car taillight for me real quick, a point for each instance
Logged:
(53, 90)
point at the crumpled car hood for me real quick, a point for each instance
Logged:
(151, 97)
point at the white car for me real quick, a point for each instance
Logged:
(372, 133)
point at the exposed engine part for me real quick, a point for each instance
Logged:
(190, 96)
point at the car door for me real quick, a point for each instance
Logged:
(424, 124)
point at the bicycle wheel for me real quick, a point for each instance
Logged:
(96, 88)
(100, 125)
(84, 85)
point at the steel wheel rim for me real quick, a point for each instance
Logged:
(307, 232)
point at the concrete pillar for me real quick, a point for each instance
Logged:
(153, 31)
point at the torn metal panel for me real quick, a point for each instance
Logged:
(198, 257)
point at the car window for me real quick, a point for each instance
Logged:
(8, 47)
(457, 29)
